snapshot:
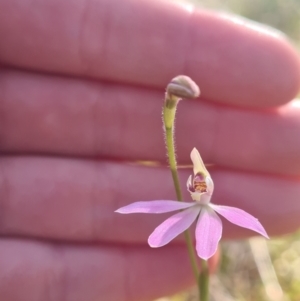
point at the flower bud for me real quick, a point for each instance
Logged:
(183, 87)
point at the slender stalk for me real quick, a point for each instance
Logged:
(204, 281)
(192, 255)
(183, 87)
(169, 118)
(172, 162)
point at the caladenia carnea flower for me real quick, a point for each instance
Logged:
(209, 225)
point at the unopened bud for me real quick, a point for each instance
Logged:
(183, 87)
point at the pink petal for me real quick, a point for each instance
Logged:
(172, 227)
(159, 206)
(208, 233)
(240, 218)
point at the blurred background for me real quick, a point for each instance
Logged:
(256, 269)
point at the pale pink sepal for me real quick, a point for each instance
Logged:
(208, 233)
(241, 218)
(159, 206)
(172, 227)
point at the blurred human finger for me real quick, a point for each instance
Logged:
(149, 42)
(75, 199)
(56, 272)
(53, 115)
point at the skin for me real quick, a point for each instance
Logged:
(81, 88)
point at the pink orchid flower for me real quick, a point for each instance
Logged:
(209, 225)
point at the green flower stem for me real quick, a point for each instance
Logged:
(183, 87)
(204, 281)
(172, 162)
(169, 118)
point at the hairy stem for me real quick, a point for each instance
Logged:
(169, 118)
(183, 87)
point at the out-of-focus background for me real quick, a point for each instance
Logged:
(281, 14)
(256, 269)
